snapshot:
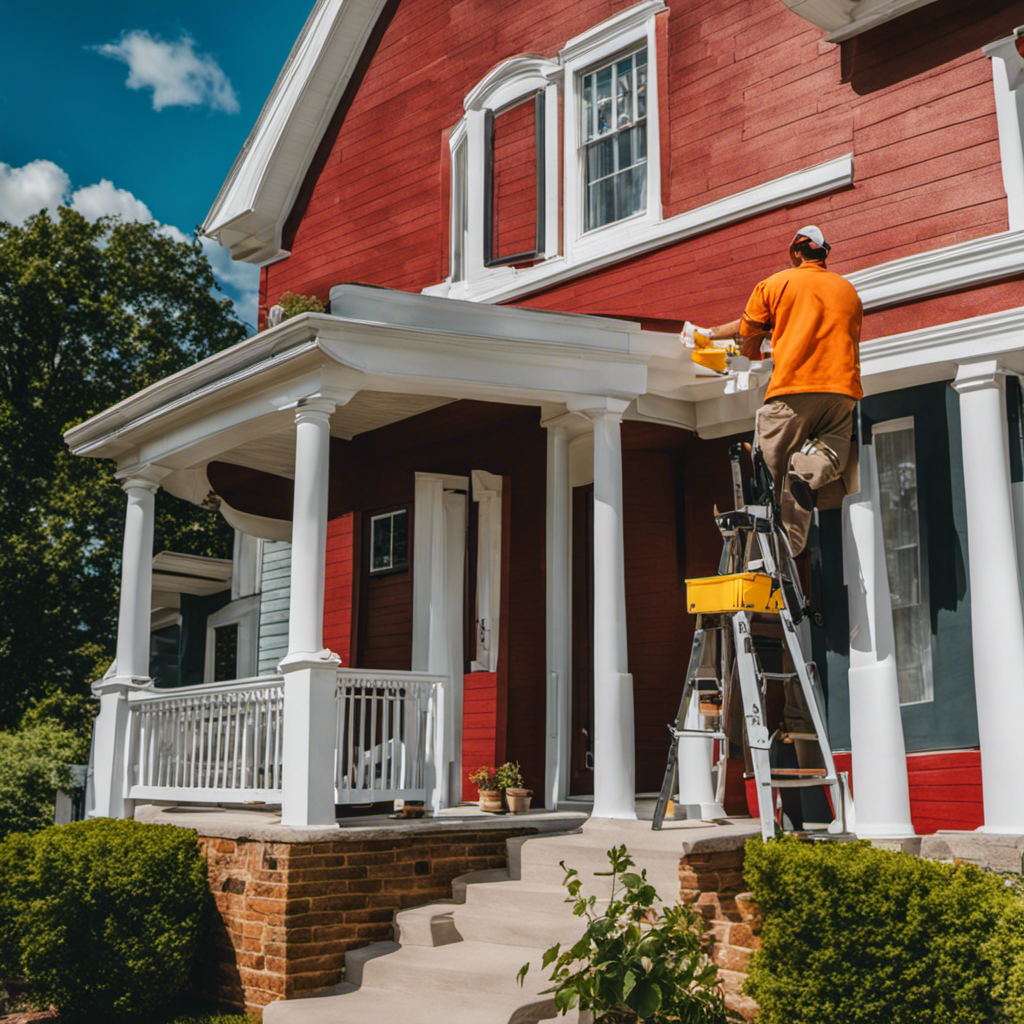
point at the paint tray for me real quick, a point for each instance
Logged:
(738, 592)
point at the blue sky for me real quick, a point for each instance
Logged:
(136, 107)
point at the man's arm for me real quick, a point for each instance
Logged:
(744, 331)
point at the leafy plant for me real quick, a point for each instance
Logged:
(854, 933)
(484, 778)
(104, 915)
(633, 963)
(293, 304)
(508, 776)
(33, 763)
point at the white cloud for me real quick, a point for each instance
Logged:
(39, 185)
(178, 76)
(103, 199)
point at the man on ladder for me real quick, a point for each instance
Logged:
(803, 437)
(805, 427)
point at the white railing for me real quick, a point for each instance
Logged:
(385, 735)
(211, 743)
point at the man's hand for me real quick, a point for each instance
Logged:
(693, 336)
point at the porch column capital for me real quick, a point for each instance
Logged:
(145, 478)
(596, 407)
(979, 375)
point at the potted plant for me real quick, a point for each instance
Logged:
(486, 781)
(510, 779)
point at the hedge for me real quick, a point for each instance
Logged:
(859, 935)
(102, 917)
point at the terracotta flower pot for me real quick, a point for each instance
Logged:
(518, 800)
(490, 800)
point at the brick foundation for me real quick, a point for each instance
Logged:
(284, 913)
(713, 882)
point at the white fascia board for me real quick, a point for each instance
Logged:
(260, 189)
(932, 353)
(623, 241)
(952, 268)
(843, 19)
(201, 566)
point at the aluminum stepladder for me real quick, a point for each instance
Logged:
(726, 664)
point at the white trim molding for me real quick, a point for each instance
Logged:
(1008, 83)
(949, 269)
(632, 239)
(843, 19)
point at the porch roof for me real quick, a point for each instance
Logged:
(384, 355)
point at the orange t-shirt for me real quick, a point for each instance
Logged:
(815, 317)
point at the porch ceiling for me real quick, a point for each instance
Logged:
(368, 410)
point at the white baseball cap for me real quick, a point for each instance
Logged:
(814, 234)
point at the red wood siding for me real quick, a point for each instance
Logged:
(479, 726)
(945, 789)
(515, 180)
(338, 588)
(754, 94)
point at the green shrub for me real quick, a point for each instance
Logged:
(31, 761)
(107, 914)
(293, 304)
(858, 935)
(1005, 948)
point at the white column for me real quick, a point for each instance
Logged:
(559, 616)
(876, 725)
(997, 618)
(132, 662)
(614, 761)
(697, 798)
(310, 671)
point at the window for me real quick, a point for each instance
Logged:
(225, 652)
(613, 134)
(905, 561)
(389, 542)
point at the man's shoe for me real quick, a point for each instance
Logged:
(803, 494)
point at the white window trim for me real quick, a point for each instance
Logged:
(515, 79)
(487, 491)
(508, 84)
(1008, 82)
(631, 29)
(244, 612)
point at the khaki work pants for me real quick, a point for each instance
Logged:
(806, 436)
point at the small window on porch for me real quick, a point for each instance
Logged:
(905, 560)
(225, 652)
(389, 542)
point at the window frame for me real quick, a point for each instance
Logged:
(893, 426)
(632, 29)
(245, 613)
(392, 569)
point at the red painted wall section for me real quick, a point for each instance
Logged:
(754, 94)
(515, 180)
(945, 789)
(338, 588)
(479, 726)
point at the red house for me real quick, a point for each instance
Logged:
(496, 465)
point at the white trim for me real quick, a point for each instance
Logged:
(893, 426)
(632, 238)
(487, 492)
(511, 81)
(629, 30)
(951, 268)
(1008, 83)
(245, 613)
(254, 201)
(843, 19)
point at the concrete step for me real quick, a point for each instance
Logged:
(460, 967)
(430, 925)
(530, 930)
(461, 883)
(508, 897)
(379, 1006)
(357, 959)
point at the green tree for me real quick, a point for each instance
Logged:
(89, 314)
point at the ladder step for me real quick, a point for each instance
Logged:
(799, 773)
(823, 780)
(777, 677)
(704, 734)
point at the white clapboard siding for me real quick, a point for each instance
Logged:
(276, 579)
